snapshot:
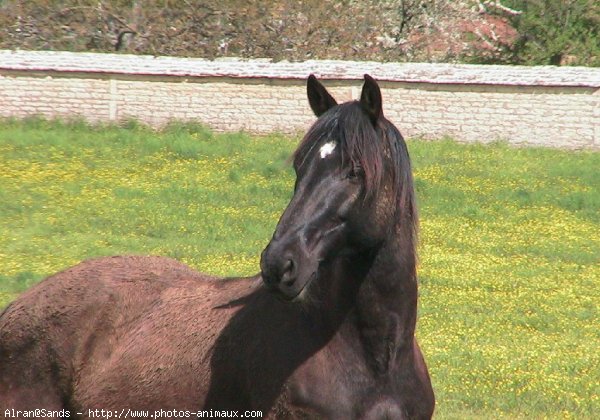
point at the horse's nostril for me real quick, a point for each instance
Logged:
(288, 266)
(288, 276)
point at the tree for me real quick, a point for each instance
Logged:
(476, 31)
(557, 32)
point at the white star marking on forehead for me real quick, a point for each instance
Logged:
(327, 149)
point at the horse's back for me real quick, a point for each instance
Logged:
(68, 334)
(86, 293)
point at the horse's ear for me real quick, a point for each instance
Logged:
(370, 99)
(320, 100)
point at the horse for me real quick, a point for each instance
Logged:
(325, 330)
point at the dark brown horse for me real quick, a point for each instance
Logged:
(325, 331)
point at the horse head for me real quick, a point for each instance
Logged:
(353, 185)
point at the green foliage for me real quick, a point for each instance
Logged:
(509, 254)
(557, 32)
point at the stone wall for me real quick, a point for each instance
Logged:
(550, 106)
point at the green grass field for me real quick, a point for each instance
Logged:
(509, 252)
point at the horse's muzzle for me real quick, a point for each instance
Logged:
(283, 272)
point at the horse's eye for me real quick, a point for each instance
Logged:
(354, 172)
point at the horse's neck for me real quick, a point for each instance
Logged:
(386, 305)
